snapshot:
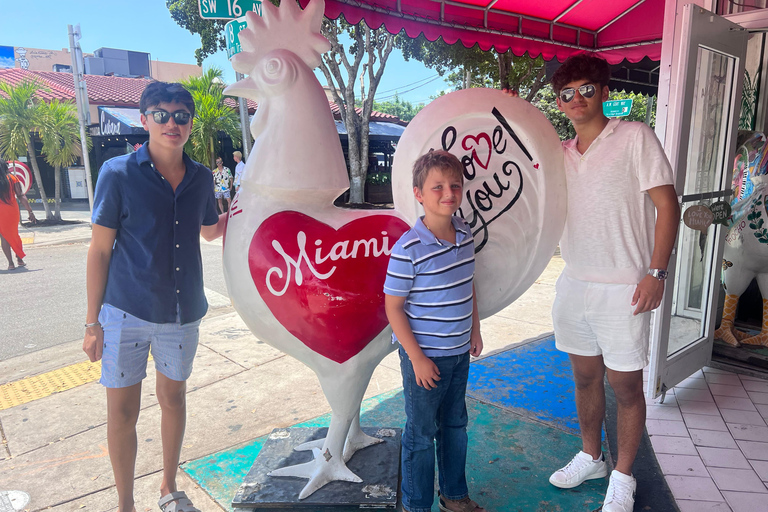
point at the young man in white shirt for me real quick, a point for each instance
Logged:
(620, 229)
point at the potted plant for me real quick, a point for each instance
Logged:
(378, 188)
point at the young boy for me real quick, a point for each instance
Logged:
(430, 303)
(145, 283)
(619, 233)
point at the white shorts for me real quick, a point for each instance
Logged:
(593, 319)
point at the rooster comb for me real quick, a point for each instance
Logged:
(285, 27)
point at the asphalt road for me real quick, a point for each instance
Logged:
(44, 304)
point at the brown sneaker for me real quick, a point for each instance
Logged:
(462, 505)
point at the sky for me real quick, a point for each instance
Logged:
(146, 26)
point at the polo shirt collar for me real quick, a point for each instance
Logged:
(609, 129)
(427, 238)
(142, 157)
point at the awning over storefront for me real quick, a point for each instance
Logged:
(377, 130)
(120, 121)
(615, 29)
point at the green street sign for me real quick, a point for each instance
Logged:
(227, 9)
(231, 35)
(617, 108)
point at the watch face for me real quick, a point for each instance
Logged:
(659, 274)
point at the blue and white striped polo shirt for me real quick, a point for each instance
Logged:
(436, 276)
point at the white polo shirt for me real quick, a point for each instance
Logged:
(609, 227)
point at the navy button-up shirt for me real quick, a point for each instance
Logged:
(156, 266)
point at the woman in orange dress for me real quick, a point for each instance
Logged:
(10, 189)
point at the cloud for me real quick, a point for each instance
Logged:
(6, 62)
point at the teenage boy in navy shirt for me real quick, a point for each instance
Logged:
(430, 303)
(145, 283)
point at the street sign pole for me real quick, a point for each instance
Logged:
(244, 123)
(81, 98)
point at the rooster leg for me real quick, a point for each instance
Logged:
(344, 391)
(356, 440)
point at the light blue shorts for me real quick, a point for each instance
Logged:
(128, 340)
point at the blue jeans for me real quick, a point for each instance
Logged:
(438, 414)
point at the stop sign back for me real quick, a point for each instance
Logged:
(22, 172)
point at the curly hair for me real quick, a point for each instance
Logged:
(437, 159)
(583, 66)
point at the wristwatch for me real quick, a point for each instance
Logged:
(658, 273)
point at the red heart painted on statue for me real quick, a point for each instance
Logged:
(535, 166)
(322, 284)
(483, 137)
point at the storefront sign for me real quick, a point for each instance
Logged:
(617, 108)
(227, 9)
(698, 217)
(722, 212)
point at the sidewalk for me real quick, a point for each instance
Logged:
(77, 229)
(710, 437)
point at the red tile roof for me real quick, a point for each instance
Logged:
(121, 91)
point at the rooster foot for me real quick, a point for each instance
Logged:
(741, 335)
(724, 333)
(356, 440)
(760, 339)
(322, 470)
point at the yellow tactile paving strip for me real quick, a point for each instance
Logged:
(40, 386)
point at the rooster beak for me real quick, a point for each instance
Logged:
(244, 88)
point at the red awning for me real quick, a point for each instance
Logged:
(615, 29)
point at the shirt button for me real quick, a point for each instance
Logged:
(177, 269)
(177, 246)
(177, 222)
(177, 291)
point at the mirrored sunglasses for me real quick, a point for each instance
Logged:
(162, 117)
(586, 90)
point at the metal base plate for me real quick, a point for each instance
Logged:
(377, 465)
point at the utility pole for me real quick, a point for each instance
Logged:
(81, 98)
(245, 127)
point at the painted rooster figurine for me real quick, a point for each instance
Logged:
(305, 276)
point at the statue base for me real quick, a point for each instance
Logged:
(377, 465)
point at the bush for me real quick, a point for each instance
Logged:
(379, 178)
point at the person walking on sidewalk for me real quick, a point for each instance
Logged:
(10, 190)
(430, 302)
(145, 283)
(222, 178)
(239, 168)
(619, 233)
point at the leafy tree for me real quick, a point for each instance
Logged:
(405, 110)
(186, 13)
(61, 141)
(212, 116)
(473, 67)
(20, 118)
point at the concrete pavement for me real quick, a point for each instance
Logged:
(54, 448)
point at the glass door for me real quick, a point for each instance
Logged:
(708, 90)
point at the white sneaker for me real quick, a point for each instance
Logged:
(620, 496)
(581, 468)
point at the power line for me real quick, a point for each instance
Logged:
(407, 90)
(407, 85)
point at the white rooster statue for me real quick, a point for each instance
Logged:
(305, 276)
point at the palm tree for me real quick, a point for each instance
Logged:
(212, 116)
(20, 118)
(60, 132)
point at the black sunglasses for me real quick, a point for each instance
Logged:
(162, 117)
(586, 90)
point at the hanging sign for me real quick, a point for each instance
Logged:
(722, 212)
(227, 9)
(698, 217)
(617, 108)
(231, 35)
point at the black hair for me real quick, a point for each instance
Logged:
(583, 66)
(5, 184)
(165, 92)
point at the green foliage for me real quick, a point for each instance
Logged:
(212, 116)
(748, 99)
(186, 13)
(405, 110)
(473, 67)
(379, 178)
(60, 133)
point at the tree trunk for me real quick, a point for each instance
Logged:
(57, 192)
(467, 78)
(505, 64)
(38, 177)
